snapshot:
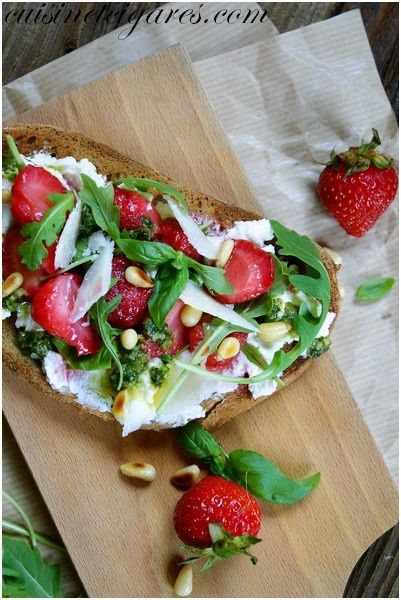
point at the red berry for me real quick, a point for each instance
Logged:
(29, 193)
(12, 262)
(250, 270)
(134, 208)
(52, 307)
(218, 501)
(357, 200)
(134, 302)
(171, 233)
(197, 333)
(215, 363)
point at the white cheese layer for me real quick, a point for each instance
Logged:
(67, 169)
(258, 231)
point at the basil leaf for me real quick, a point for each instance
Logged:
(45, 231)
(142, 184)
(101, 360)
(146, 253)
(168, 285)
(99, 313)
(213, 277)
(264, 480)
(101, 202)
(374, 289)
(254, 355)
(35, 578)
(201, 444)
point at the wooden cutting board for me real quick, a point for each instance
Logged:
(118, 532)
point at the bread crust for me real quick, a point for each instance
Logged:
(62, 143)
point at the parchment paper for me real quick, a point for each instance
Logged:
(284, 101)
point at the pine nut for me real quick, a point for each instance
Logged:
(143, 471)
(186, 477)
(119, 402)
(183, 583)
(270, 332)
(129, 339)
(190, 316)
(228, 348)
(336, 258)
(12, 283)
(224, 253)
(5, 196)
(137, 277)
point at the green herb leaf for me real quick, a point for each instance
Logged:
(201, 444)
(45, 231)
(15, 152)
(254, 355)
(101, 202)
(146, 253)
(35, 578)
(213, 277)
(142, 184)
(374, 289)
(280, 282)
(100, 361)
(168, 285)
(264, 480)
(99, 313)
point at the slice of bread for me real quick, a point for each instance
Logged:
(114, 165)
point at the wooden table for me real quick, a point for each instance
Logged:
(28, 46)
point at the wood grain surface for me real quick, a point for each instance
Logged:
(119, 534)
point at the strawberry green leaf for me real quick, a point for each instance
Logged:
(45, 231)
(374, 289)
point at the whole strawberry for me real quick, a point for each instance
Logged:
(218, 517)
(357, 186)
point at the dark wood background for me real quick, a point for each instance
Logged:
(29, 46)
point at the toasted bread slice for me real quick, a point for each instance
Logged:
(114, 165)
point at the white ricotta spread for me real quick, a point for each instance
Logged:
(258, 231)
(6, 218)
(24, 319)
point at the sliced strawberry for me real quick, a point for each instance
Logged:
(215, 363)
(12, 262)
(52, 307)
(178, 330)
(250, 270)
(134, 208)
(134, 302)
(29, 193)
(171, 233)
(197, 333)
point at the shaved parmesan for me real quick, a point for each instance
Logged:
(198, 298)
(207, 246)
(95, 284)
(66, 244)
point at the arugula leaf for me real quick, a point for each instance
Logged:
(45, 231)
(35, 578)
(101, 360)
(251, 470)
(101, 202)
(201, 444)
(168, 285)
(280, 278)
(99, 313)
(15, 152)
(254, 355)
(374, 289)
(142, 184)
(146, 253)
(213, 277)
(264, 480)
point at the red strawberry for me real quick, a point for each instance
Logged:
(357, 186)
(197, 333)
(178, 330)
(214, 500)
(29, 193)
(12, 262)
(134, 302)
(250, 270)
(52, 307)
(215, 363)
(134, 208)
(171, 233)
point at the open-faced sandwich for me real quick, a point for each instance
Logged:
(135, 299)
